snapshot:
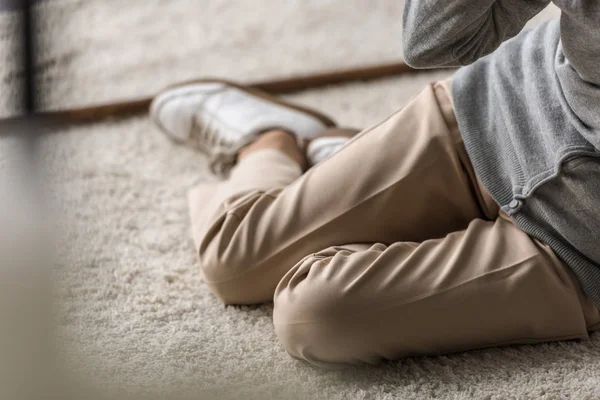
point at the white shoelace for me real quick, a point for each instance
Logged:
(222, 154)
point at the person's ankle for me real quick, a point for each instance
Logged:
(276, 139)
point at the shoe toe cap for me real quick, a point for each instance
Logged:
(173, 116)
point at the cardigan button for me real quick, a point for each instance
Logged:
(514, 204)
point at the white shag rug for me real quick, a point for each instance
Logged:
(134, 314)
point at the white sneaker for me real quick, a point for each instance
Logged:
(322, 148)
(220, 117)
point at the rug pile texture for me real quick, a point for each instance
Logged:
(132, 313)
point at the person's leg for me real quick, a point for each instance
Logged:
(488, 285)
(328, 142)
(406, 179)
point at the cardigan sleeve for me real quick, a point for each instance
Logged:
(580, 36)
(449, 33)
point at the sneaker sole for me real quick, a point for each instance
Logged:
(160, 100)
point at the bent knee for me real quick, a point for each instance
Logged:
(314, 321)
(219, 260)
(225, 264)
(231, 283)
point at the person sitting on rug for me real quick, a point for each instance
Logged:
(470, 218)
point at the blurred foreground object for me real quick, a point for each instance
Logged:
(25, 252)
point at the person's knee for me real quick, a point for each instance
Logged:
(223, 260)
(312, 320)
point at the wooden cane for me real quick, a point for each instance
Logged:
(279, 86)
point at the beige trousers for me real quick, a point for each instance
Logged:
(389, 248)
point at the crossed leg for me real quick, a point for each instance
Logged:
(417, 259)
